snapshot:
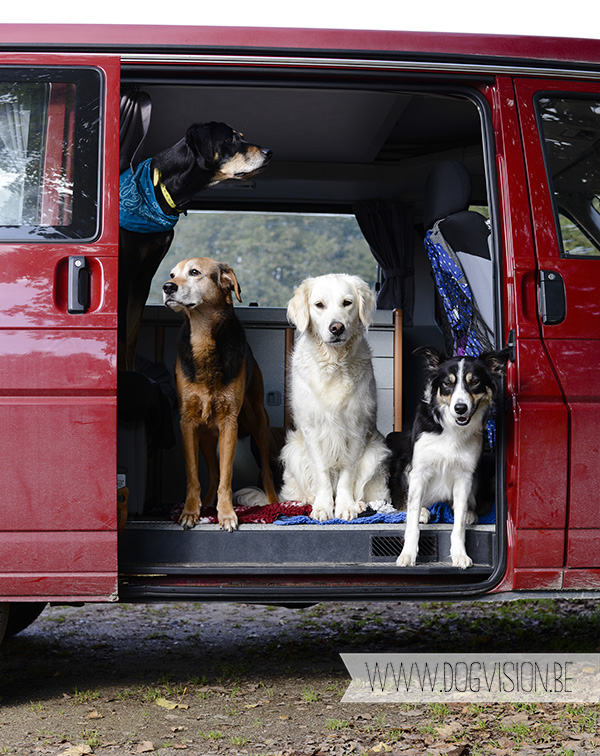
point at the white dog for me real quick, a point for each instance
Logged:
(335, 459)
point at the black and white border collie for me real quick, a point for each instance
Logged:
(446, 444)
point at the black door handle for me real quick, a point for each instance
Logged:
(78, 292)
(552, 298)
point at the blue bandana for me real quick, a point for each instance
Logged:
(138, 209)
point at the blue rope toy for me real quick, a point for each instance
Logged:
(441, 512)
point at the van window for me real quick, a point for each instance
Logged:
(270, 252)
(571, 131)
(49, 154)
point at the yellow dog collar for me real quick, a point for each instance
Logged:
(157, 182)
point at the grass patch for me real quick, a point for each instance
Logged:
(334, 725)
(85, 696)
(310, 695)
(211, 735)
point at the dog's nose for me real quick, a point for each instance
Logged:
(460, 408)
(337, 328)
(267, 153)
(170, 287)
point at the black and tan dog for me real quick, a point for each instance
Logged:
(152, 198)
(442, 461)
(220, 386)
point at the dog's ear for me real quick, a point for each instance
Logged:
(198, 138)
(366, 301)
(229, 281)
(496, 361)
(433, 357)
(298, 311)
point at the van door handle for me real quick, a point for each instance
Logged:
(78, 291)
(552, 298)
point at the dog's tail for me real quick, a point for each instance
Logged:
(250, 497)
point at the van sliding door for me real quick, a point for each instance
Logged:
(58, 321)
(561, 131)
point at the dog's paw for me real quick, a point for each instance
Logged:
(406, 559)
(424, 516)
(228, 522)
(471, 518)
(322, 509)
(189, 519)
(349, 510)
(461, 560)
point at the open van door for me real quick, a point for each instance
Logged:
(59, 117)
(561, 134)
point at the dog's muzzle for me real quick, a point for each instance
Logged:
(337, 330)
(461, 412)
(169, 291)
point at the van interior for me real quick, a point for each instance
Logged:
(355, 149)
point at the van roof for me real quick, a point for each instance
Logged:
(161, 39)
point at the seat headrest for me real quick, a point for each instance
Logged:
(447, 191)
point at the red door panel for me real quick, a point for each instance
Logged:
(558, 120)
(537, 427)
(58, 517)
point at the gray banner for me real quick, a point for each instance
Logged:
(477, 678)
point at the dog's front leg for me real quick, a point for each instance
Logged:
(227, 442)
(460, 495)
(408, 555)
(322, 506)
(191, 511)
(346, 508)
(208, 446)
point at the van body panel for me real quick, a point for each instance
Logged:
(536, 453)
(424, 45)
(58, 377)
(58, 369)
(573, 343)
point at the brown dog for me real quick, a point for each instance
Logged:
(220, 386)
(151, 201)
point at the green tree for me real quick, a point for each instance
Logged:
(270, 253)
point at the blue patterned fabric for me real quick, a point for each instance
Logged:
(138, 208)
(438, 513)
(469, 332)
(468, 329)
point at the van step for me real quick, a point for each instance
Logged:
(148, 547)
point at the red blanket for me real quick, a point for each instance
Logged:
(266, 514)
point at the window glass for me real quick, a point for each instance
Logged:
(571, 131)
(49, 153)
(270, 252)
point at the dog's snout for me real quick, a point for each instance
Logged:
(268, 154)
(170, 287)
(461, 408)
(337, 328)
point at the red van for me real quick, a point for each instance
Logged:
(358, 123)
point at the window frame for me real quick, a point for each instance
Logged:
(88, 110)
(556, 211)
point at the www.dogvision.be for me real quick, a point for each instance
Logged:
(460, 677)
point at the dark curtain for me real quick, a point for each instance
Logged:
(135, 109)
(388, 229)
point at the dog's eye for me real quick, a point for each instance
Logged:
(319, 305)
(194, 272)
(346, 303)
(171, 275)
(475, 384)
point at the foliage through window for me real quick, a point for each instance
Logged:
(271, 253)
(571, 131)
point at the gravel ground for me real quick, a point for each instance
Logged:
(260, 680)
